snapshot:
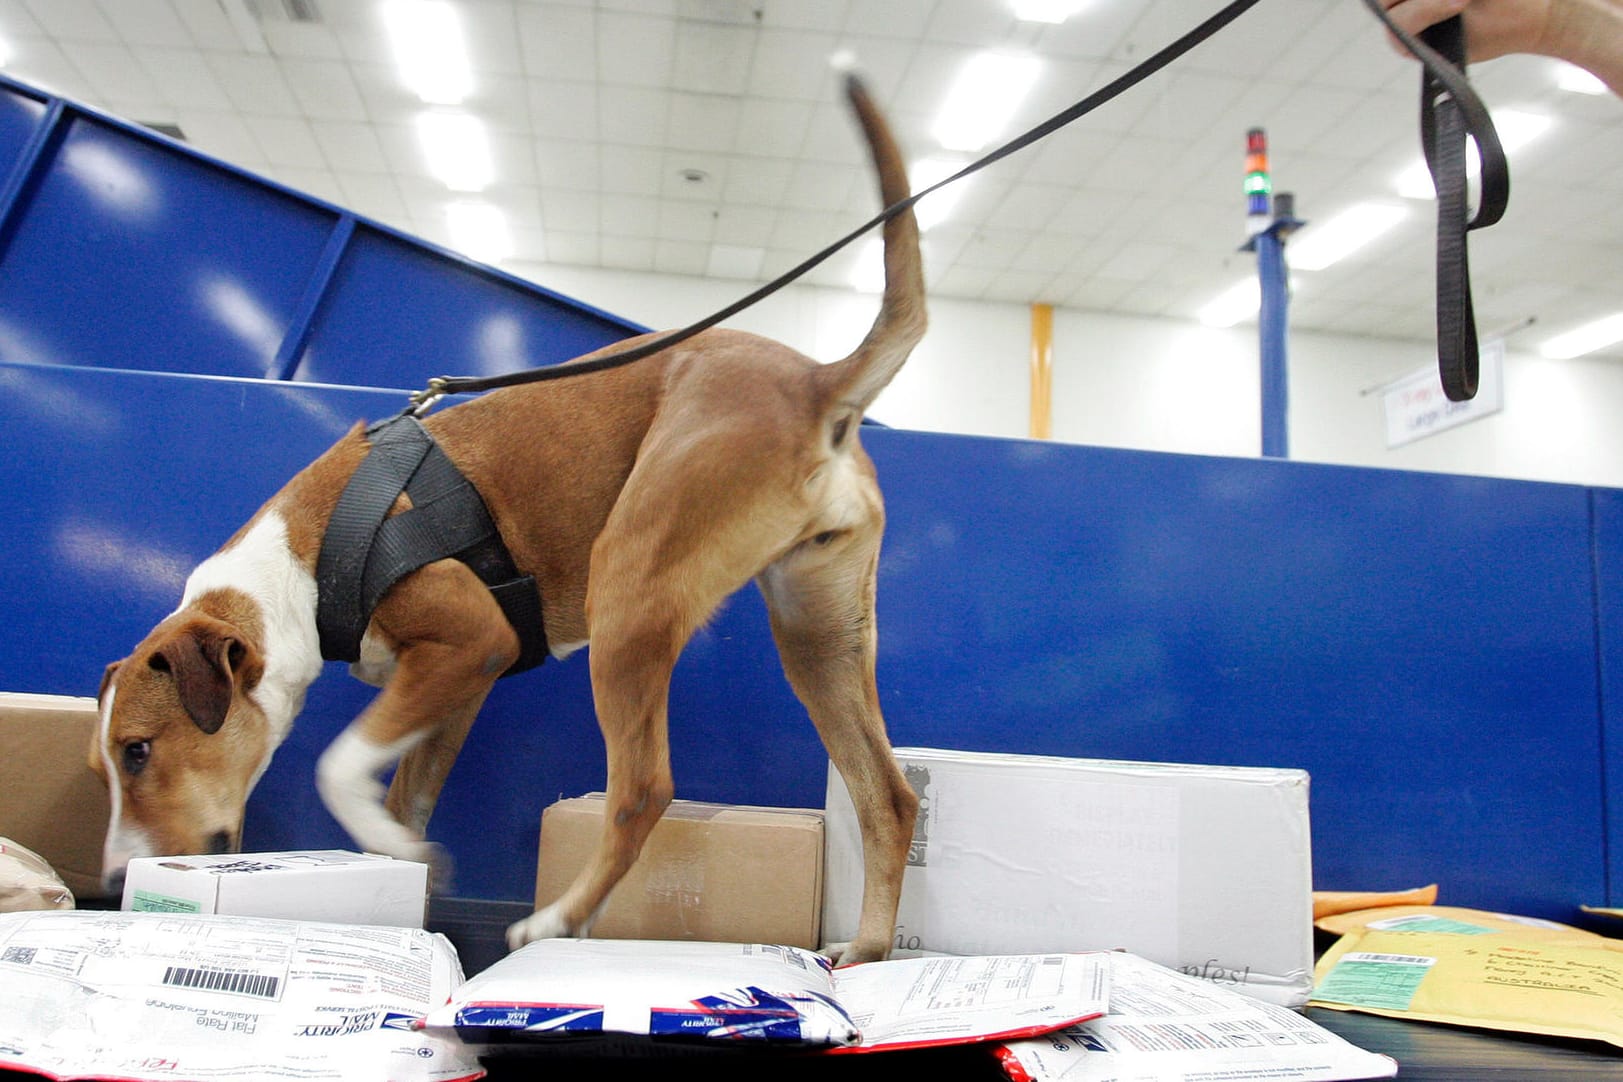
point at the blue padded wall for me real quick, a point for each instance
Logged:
(1426, 646)
(120, 248)
(397, 314)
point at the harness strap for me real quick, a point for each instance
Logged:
(366, 551)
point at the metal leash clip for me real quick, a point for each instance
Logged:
(423, 399)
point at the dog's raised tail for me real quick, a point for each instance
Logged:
(854, 382)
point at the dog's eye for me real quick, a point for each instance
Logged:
(136, 754)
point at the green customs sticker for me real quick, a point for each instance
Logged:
(1382, 981)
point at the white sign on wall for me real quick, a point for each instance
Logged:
(1416, 406)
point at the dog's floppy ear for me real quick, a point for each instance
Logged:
(107, 678)
(205, 663)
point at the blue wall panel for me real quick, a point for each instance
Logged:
(398, 314)
(1423, 645)
(123, 258)
(20, 117)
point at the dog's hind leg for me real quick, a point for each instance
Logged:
(670, 553)
(820, 598)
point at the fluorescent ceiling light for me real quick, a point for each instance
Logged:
(928, 171)
(428, 49)
(989, 87)
(5, 52)
(1240, 301)
(479, 230)
(457, 150)
(1516, 129)
(1575, 79)
(1322, 244)
(1585, 339)
(1046, 11)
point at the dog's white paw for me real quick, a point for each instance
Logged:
(545, 923)
(834, 952)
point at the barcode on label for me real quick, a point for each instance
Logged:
(1393, 959)
(238, 982)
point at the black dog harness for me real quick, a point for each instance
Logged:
(366, 550)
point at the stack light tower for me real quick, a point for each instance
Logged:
(1269, 220)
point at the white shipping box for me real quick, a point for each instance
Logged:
(1203, 869)
(330, 885)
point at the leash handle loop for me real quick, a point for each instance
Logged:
(1450, 110)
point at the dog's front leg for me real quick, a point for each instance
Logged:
(453, 644)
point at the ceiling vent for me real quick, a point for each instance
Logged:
(285, 11)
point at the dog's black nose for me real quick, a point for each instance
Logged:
(114, 884)
(219, 842)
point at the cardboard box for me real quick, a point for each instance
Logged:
(323, 885)
(50, 799)
(715, 872)
(1203, 869)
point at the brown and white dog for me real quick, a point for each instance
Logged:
(639, 498)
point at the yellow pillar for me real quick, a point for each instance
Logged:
(1042, 370)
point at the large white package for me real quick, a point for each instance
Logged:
(163, 996)
(1206, 869)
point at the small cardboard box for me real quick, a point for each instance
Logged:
(330, 885)
(716, 872)
(50, 799)
(1204, 869)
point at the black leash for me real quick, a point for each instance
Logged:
(1446, 98)
(1450, 111)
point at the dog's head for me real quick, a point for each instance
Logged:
(181, 741)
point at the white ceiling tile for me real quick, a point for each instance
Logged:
(567, 164)
(564, 247)
(316, 182)
(634, 116)
(712, 58)
(563, 110)
(350, 147)
(569, 212)
(681, 257)
(76, 21)
(16, 22)
(324, 89)
(629, 216)
(182, 78)
(286, 142)
(819, 186)
(558, 42)
(758, 181)
(631, 170)
(627, 253)
(370, 194)
(633, 50)
(790, 65)
(254, 84)
(145, 22)
(302, 41)
(117, 78)
(686, 221)
(747, 227)
(705, 122)
(771, 128)
(804, 15)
